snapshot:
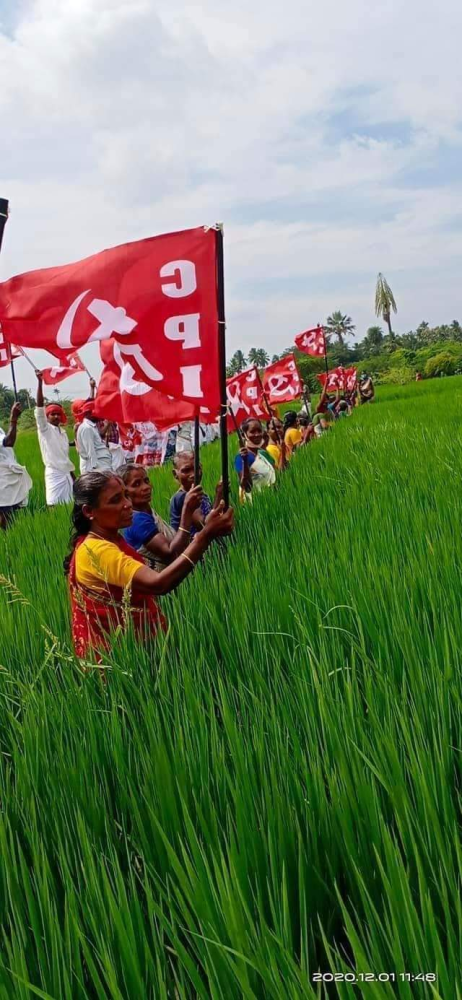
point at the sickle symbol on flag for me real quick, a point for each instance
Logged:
(63, 339)
(127, 383)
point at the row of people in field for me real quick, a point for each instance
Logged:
(98, 443)
(121, 542)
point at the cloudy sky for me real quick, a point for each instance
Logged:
(327, 138)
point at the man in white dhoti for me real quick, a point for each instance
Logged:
(54, 446)
(94, 453)
(15, 481)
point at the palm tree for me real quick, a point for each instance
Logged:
(274, 358)
(237, 363)
(373, 340)
(258, 357)
(384, 301)
(339, 325)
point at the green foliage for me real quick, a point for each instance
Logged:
(273, 787)
(396, 376)
(444, 363)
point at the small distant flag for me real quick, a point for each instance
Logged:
(312, 342)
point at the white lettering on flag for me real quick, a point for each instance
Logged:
(185, 328)
(185, 282)
(192, 381)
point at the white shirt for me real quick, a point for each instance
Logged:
(54, 444)
(94, 454)
(185, 437)
(15, 481)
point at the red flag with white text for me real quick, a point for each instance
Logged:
(281, 381)
(71, 365)
(157, 298)
(124, 398)
(312, 342)
(245, 398)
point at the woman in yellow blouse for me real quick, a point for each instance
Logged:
(102, 568)
(292, 432)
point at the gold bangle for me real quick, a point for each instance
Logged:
(184, 556)
(186, 530)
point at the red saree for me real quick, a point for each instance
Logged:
(95, 614)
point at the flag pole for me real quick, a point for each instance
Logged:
(4, 212)
(196, 450)
(13, 376)
(26, 356)
(325, 350)
(265, 398)
(222, 360)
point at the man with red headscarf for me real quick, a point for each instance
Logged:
(54, 446)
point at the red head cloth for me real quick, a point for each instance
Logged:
(81, 408)
(56, 408)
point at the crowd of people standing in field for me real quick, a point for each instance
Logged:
(119, 543)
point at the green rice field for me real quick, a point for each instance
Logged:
(266, 803)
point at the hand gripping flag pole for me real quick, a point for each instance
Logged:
(3, 217)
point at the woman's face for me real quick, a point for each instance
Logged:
(114, 510)
(139, 489)
(275, 430)
(254, 434)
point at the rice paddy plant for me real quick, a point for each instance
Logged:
(272, 789)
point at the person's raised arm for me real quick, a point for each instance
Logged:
(92, 388)
(147, 581)
(322, 399)
(39, 401)
(10, 438)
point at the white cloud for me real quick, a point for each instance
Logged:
(325, 137)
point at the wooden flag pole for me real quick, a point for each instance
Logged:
(265, 398)
(196, 451)
(4, 212)
(325, 350)
(222, 361)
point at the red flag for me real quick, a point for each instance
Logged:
(350, 378)
(312, 342)
(245, 398)
(334, 379)
(71, 366)
(281, 381)
(125, 399)
(156, 297)
(7, 351)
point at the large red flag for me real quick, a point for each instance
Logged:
(156, 297)
(245, 398)
(72, 365)
(281, 381)
(312, 342)
(125, 399)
